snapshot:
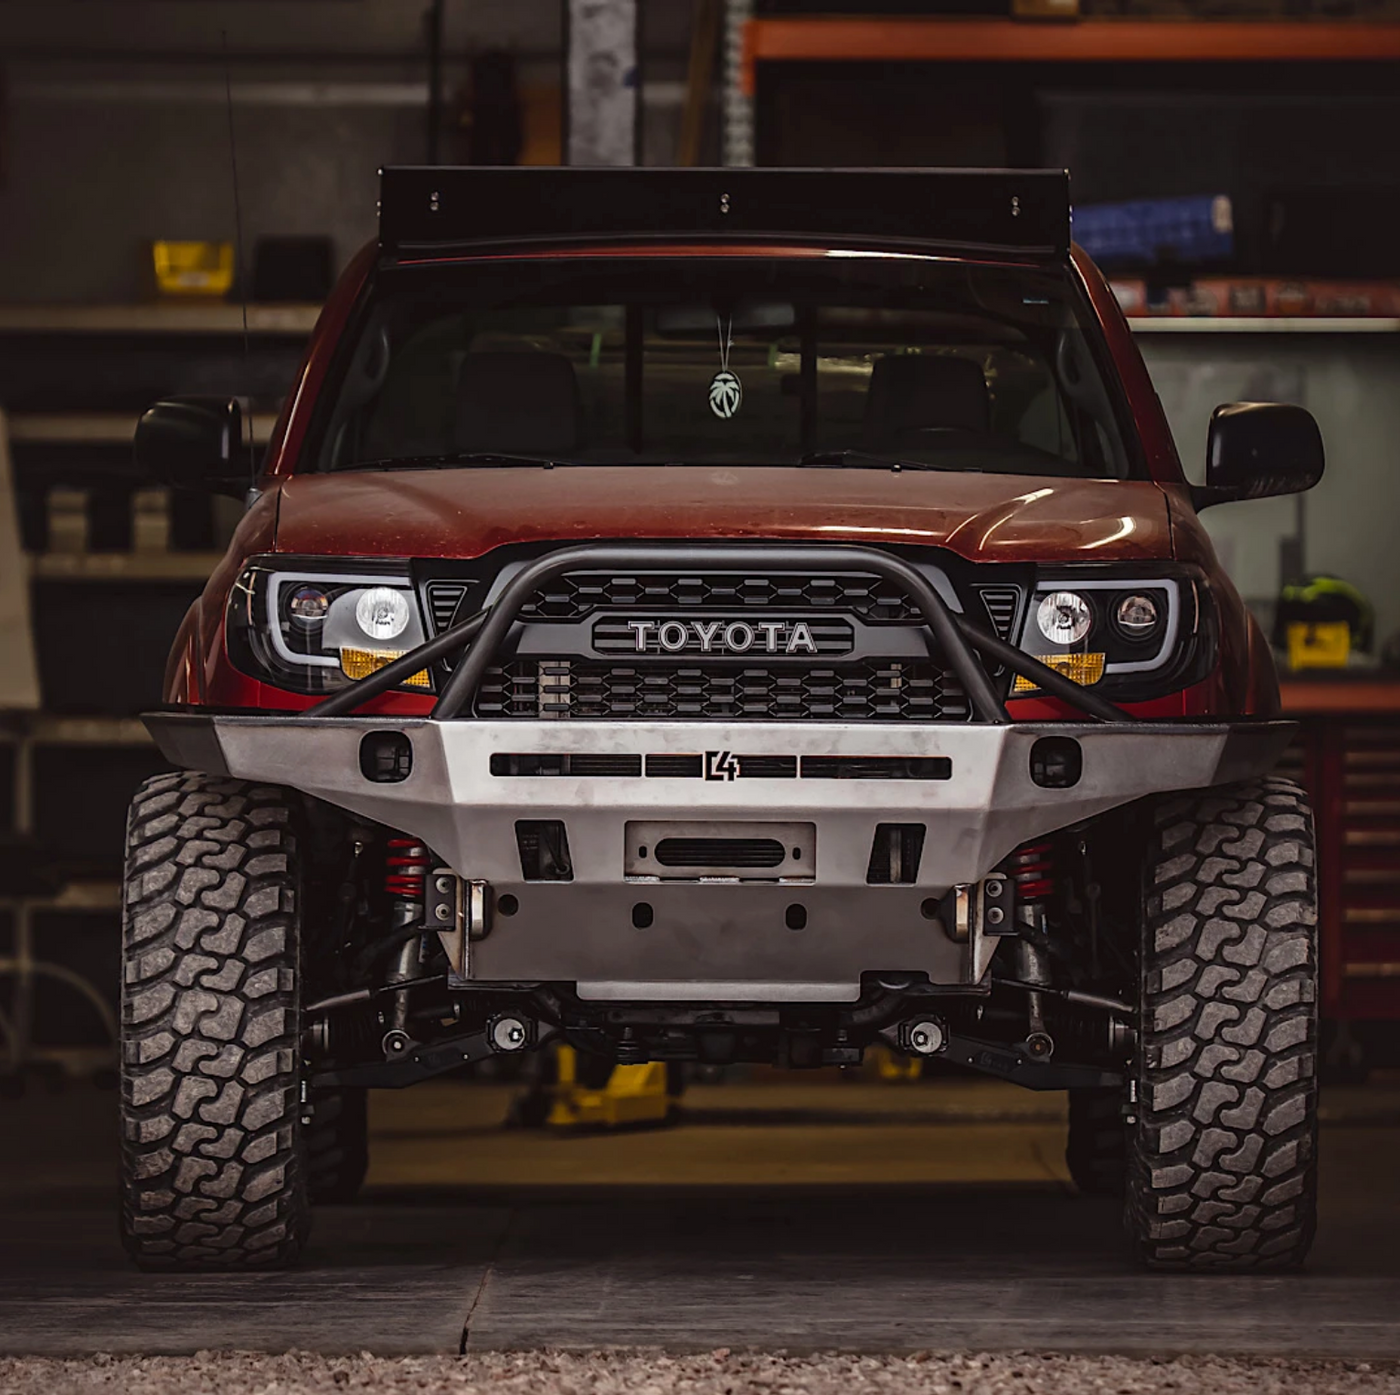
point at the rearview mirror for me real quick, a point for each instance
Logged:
(747, 317)
(1259, 449)
(194, 443)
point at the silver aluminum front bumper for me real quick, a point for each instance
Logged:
(720, 940)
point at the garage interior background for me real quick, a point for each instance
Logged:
(114, 132)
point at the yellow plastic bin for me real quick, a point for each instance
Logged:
(193, 268)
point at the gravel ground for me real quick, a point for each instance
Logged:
(715, 1373)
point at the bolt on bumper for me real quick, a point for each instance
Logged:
(978, 790)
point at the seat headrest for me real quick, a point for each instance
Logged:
(911, 392)
(517, 403)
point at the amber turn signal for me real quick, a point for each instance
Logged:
(360, 663)
(1084, 669)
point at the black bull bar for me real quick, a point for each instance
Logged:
(950, 637)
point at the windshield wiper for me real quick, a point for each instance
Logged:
(461, 457)
(871, 460)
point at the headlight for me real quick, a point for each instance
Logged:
(1136, 616)
(1133, 631)
(308, 604)
(382, 613)
(1064, 617)
(304, 624)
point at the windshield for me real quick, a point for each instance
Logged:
(818, 359)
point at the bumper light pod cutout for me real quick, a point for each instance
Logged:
(386, 757)
(1057, 762)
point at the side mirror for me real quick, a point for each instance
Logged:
(194, 443)
(1259, 449)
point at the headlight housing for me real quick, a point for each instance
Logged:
(1132, 631)
(313, 625)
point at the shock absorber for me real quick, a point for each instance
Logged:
(405, 866)
(1032, 867)
(406, 863)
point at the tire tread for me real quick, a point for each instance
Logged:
(1222, 1156)
(212, 1170)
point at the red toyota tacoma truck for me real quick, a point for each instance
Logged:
(722, 616)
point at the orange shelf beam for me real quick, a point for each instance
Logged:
(825, 39)
(1319, 696)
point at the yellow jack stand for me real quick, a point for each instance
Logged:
(632, 1095)
(891, 1066)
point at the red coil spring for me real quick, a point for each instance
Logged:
(405, 866)
(1032, 867)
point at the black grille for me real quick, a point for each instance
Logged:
(720, 852)
(565, 763)
(443, 598)
(877, 768)
(579, 594)
(767, 767)
(693, 685)
(868, 691)
(668, 767)
(1001, 603)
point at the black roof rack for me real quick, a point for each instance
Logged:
(429, 210)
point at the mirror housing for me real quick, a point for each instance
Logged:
(1259, 449)
(194, 443)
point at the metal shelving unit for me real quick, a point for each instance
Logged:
(97, 428)
(1263, 324)
(36, 979)
(125, 566)
(161, 317)
(70, 429)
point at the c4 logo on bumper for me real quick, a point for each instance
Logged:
(721, 765)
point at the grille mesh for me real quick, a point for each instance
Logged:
(579, 594)
(867, 691)
(575, 596)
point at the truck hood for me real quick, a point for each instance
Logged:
(467, 512)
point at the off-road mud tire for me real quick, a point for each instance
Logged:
(337, 1146)
(1222, 1152)
(1096, 1151)
(212, 1169)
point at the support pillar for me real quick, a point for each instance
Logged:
(603, 82)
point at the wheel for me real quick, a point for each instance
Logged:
(1222, 1152)
(212, 1167)
(337, 1146)
(1096, 1152)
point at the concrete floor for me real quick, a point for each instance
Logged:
(804, 1213)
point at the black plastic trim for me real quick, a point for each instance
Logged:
(951, 637)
